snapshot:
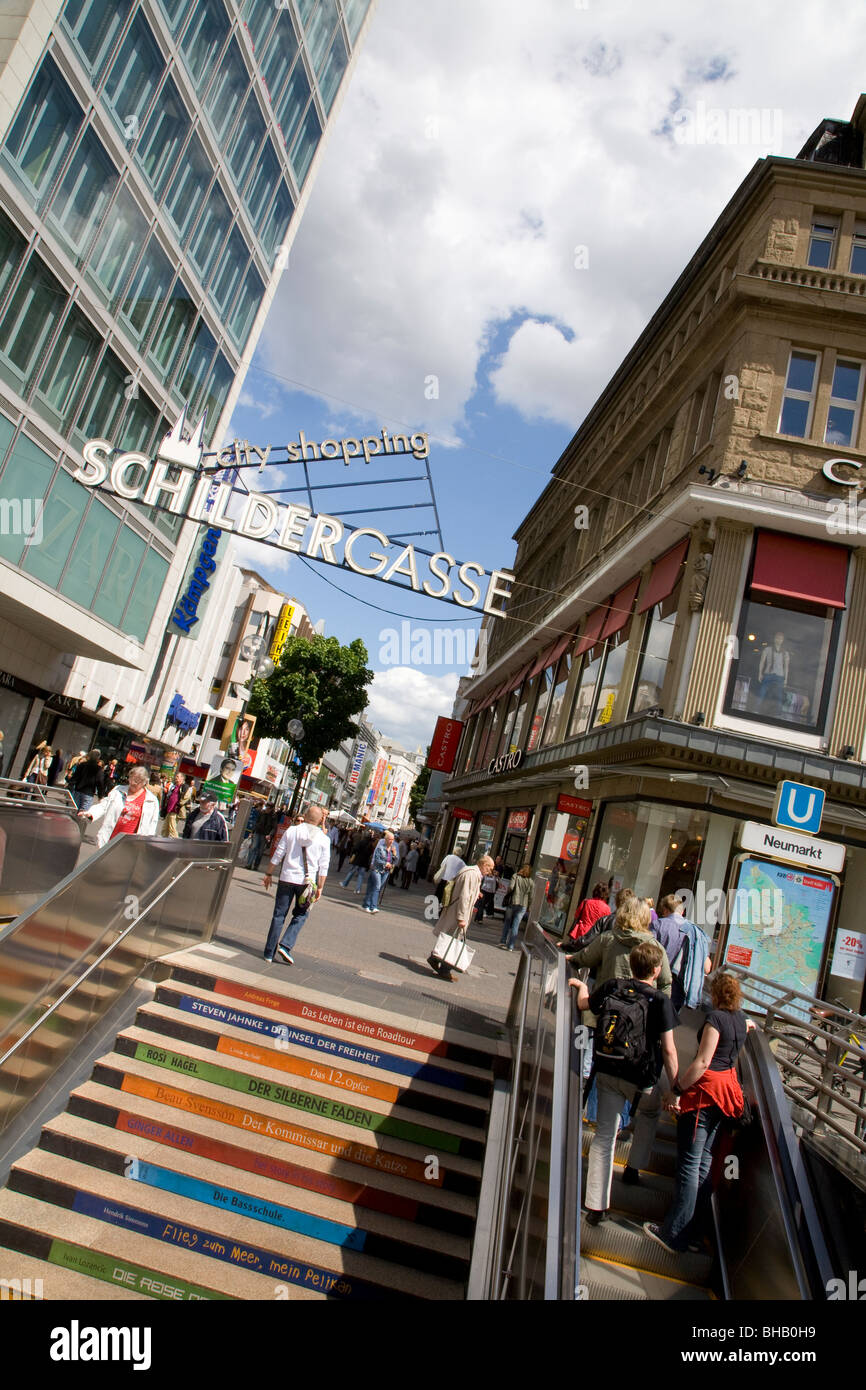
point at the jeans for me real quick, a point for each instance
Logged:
(696, 1133)
(514, 915)
(353, 870)
(255, 850)
(375, 880)
(287, 894)
(83, 800)
(611, 1093)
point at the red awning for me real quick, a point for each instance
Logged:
(798, 568)
(518, 680)
(620, 608)
(665, 573)
(591, 631)
(562, 645)
(541, 661)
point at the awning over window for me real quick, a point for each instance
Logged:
(620, 608)
(561, 646)
(592, 630)
(518, 680)
(795, 567)
(541, 661)
(665, 573)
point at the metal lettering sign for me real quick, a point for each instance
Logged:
(180, 474)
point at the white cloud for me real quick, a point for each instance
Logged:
(405, 703)
(475, 151)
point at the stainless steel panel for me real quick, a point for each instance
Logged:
(39, 845)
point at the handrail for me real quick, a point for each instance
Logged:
(30, 793)
(79, 979)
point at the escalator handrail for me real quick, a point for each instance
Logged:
(808, 1248)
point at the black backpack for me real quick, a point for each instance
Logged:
(621, 1031)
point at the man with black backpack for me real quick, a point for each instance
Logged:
(634, 1038)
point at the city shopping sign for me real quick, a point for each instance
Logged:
(177, 481)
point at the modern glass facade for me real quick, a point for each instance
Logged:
(147, 181)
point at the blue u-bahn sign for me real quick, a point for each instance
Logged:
(799, 807)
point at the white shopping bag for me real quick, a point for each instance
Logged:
(453, 951)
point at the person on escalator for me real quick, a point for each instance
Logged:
(634, 1040)
(703, 1095)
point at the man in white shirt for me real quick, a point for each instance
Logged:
(451, 866)
(304, 852)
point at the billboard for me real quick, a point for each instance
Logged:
(443, 745)
(357, 764)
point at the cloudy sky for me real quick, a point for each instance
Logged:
(506, 196)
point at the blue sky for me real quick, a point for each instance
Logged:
(502, 205)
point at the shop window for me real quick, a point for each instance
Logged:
(194, 377)
(306, 145)
(517, 838)
(229, 273)
(148, 292)
(822, 243)
(557, 700)
(484, 727)
(277, 221)
(612, 667)
(545, 686)
(105, 400)
(650, 847)
(64, 508)
(783, 661)
(145, 595)
(163, 138)
(31, 318)
(485, 833)
(95, 26)
(559, 849)
(247, 306)
(189, 187)
(210, 235)
(203, 39)
(139, 424)
(25, 480)
(520, 718)
(655, 654)
(492, 735)
(84, 193)
(355, 10)
(119, 576)
(227, 91)
(45, 127)
(87, 560)
(123, 234)
(14, 710)
(507, 724)
(319, 30)
(173, 330)
(134, 77)
(263, 185)
(68, 368)
(277, 61)
(461, 838)
(332, 74)
(244, 148)
(857, 264)
(291, 106)
(259, 17)
(801, 384)
(584, 695)
(846, 398)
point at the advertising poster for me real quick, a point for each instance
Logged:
(849, 956)
(780, 916)
(223, 778)
(237, 740)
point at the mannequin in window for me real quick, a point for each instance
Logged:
(773, 670)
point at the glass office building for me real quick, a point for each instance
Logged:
(149, 175)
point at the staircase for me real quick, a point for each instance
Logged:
(246, 1139)
(618, 1261)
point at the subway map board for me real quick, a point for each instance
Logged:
(780, 917)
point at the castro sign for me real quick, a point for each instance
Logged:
(506, 762)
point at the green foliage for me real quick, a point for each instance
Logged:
(319, 682)
(418, 793)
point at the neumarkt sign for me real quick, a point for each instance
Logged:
(177, 480)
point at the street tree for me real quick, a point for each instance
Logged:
(319, 682)
(419, 791)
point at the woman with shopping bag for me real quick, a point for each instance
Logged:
(450, 949)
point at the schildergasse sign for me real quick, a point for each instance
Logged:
(181, 479)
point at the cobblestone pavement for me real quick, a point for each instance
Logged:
(380, 960)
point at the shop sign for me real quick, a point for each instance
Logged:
(849, 956)
(357, 764)
(64, 704)
(182, 479)
(182, 718)
(518, 820)
(197, 582)
(788, 844)
(574, 805)
(506, 762)
(460, 813)
(443, 746)
(799, 807)
(281, 634)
